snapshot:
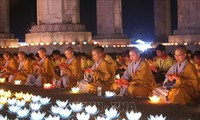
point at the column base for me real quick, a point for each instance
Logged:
(181, 39)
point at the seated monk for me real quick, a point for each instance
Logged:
(71, 70)
(9, 67)
(24, 69)
(137, 80)
(44, 70)
(100, 74)
(181, 85)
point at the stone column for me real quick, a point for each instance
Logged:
(7, 40)
(58, 21)
(109, 23)
(162, 20)
(188, 22)
(4, 19)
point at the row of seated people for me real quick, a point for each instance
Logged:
(181, 84)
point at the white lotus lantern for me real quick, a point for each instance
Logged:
(117, 76)
(76, 107)
(65, 113)
(61, 104)
(2, 80)
(101, 118)
(27, 97)
(109, 94)
(1, 106)
(133, 115)
(35, 98)
(112, 113)
(3, 118)
(45, 101)
(23, 113)
(156, 117)
(75, 89)
(8, 94)
(55, 109)
(19, 95)
(52, 118)
(1, 92)
(3, 100)
(13, 108)
(17, 82)
(37, 115)
(83, 116)
(92, 110)
(154, 99)
(35, 106)
(11, 101)
(21, 103)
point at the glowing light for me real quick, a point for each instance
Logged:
(73, 43)
(67, 43)
(75, 89)
(19, 95)
(185, 43)
(154, 99)
(84, 43)
(17, 82)
(2, 80)
(54, 43)
(47, 43)
(95, 43)
(32, 44)
(41, 43)
(60, 43)
(36, 43)
(3, 100)
(47, 86)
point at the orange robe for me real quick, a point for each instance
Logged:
(11, 68)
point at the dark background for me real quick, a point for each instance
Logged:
(138, 17)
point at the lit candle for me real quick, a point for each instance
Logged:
(154, 99)
(47, 86)
(75, 89)
(17, 82)
(2, 80)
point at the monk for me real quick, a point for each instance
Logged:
(24, 69)
(9, 67)
(197, 61)
(44, 70)
(71, 70)
(181, 82)
(138, 80)
(162, 64)
(100, 74)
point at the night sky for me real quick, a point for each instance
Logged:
(138, 17)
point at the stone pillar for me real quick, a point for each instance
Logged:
(162, 20)
(188, 22)
(7, 40)
(4, 19)
(109, 23)
(58, 21)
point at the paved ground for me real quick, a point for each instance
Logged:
(172, 112)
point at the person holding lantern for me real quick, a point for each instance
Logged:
(137, 80)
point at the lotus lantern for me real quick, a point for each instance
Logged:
(75, 89)
(21, 103)
(2, 80)
(47, 86)
(109, 94)
(112, 113)
(27, 97)
(35, 98)
(45, 101)
(52, 118)
(17, 82)
(3, 100)
(1, 92)
(23, 113)
(55, 109)
(8, 94)
(11, 101)
(19, 95)
(156, 117)
(3, 118)
(133, 115)
(37, 115)
(92, 110)
(101, 118)
(65, 113)
(76, 107)
(1, 106)
(35, 106)
(61, 104)
(154, 99)
(13, 108)
(83, 116)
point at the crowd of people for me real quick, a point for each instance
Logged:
(175, 78)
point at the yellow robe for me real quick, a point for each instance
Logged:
(187, 88)
(74, 72)
(102, 76)
(12, 66)
(27, 69)
(142, 82)
(47, 71)
(113, 63)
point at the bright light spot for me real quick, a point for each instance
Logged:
(95, 43)
(54, 43)
(67, 43)
(47, 43)
(84, 43)
(60, 43)
(36, 44)
(185, 43)
(73, 43)
(41, 43)
(23, 44)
